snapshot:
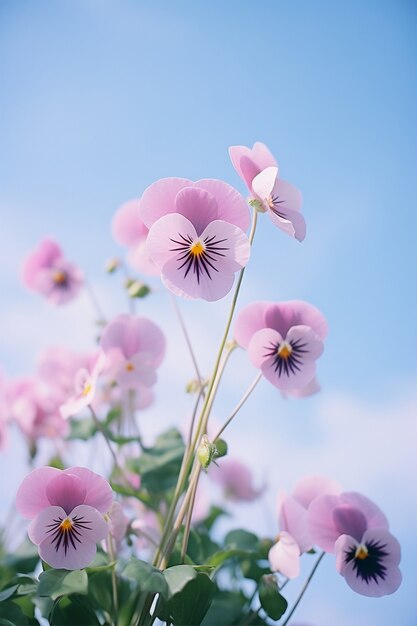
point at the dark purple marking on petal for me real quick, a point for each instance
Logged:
(67, 531)
(287, 364)
(201, 262)
(274, 204)
(368, 566)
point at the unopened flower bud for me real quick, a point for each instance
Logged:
(221, 448)
(206, 451)
(112, 265)
(195, 385)
(136, 289)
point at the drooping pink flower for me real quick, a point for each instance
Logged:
(196, 235)
(294, 538)
(84, 387)
(135, 348)
(117, 521)
(46, 271)
(281, 200)
(284, 340)
(249, 162)
(66, 508)
(236, 480)
(370, 565)
(129, 230)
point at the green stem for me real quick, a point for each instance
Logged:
(304, 589)
(186, 337)
(113, 578)
(239, 405)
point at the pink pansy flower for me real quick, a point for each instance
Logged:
(129, 230)
(117, 521)
(281, 200)
(66, 508)
(57, 367)
(236, 480)
(84, 387)
(48, 272)
(135, 348)
(196, 235)
(284, 340)
(353, 527)
(248, 162)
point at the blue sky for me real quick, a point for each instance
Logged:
(100, 98)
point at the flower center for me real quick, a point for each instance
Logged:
(66, 524)
(361, 553)
(197, 249)
(59, 277)
(130, 367)
(284, 351)
(87, 389)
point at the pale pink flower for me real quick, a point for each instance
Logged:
(66, 508)
(196, 235)
(135, 348)
(249, 162)
(284, 556)
(46, 271)
(283, 340)
(84, 387)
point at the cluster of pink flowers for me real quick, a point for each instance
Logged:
(349, 525)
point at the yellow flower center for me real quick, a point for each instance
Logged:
(197, 248)
(284, 351)
(130, 367)
(66, 524)
(86, 390)
(59, 277)
(361, 553)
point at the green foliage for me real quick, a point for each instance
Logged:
(272, 602)
(60, 582)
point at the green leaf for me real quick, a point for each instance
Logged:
(73, 610)
(213, 516)
(218, 558)
(149, 578)
(226, 609)
(177, 577)
(251, 569)
(133, 493)
(189, 606)
(272, 602)
(242, 540)
(7, 593)
(61, 582)
(159, 466)
(11, 613)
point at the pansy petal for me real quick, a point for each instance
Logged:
(198, 205)
(66, 490)
(127, 227)
(291, 222)
(310, 487)
(138, 258)
(39, 528)
(231, 206)
(75, 547)
(289, 196)
(262, 155)
(284, 556)
(188, 287)
(375, 518)
(264, 182)
(283, 315)
(259, 346)
(292, 518)
(320, 521)
(167, 237)
(243, 155)
(349, 521)
(31, 496)
(309, 343)
(134, 373)
(159, 199)
(99, 493)
(248, 321)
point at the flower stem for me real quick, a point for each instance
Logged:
(239, 405)
(304, 589)
(186, 336)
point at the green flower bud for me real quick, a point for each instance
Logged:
(221, 448)
(206, 451)
(136, 289)
(112, 265)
